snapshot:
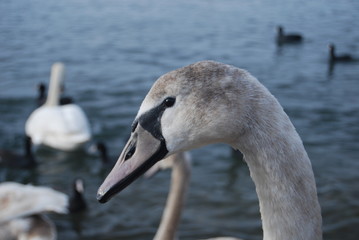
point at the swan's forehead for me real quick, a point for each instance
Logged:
(200, 78)
(198, 82)
(164, 87)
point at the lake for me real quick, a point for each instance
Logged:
(115, 50)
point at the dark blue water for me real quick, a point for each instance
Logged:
(114, 51)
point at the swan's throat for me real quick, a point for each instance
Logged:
(285, 184)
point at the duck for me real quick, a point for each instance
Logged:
(62, 127)
(211, 102)
(23, 208)
(180, 165)
(291, 38)
(41, 98)
(333, 58)
(12, 159)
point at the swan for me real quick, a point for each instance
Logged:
(180, 164)
(62, 127)
(22, 209)
(283, 38)
(209, 102)
(15, 160)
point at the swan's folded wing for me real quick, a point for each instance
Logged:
(76, 121)
(42, 122)
(17, 200)
(62, 127)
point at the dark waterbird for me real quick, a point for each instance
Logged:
(101, 149)
(16, 160)
(291, 38)
(333, 57)
(77, 202)
(41, 98)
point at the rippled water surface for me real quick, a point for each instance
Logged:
(114, 51)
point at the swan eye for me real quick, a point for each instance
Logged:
(169, 102)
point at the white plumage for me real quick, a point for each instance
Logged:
(22, 208)
(211, 102)
(63, 127)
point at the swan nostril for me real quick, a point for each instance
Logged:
(134, 126)
(130, 152)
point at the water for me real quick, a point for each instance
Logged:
(114, 50)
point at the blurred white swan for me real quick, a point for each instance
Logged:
(181, 172)
(63, 127)
(23, 209)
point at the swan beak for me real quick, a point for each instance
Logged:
(141, 152)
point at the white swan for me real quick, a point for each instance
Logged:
(62, 127)
(22, 209)
(209, 102)
(180, 164)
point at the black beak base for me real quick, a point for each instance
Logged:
(122, 184)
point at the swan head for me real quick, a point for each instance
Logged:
(187, 108)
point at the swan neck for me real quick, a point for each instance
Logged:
(172, 213)
(285, 184)
(56, 79)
